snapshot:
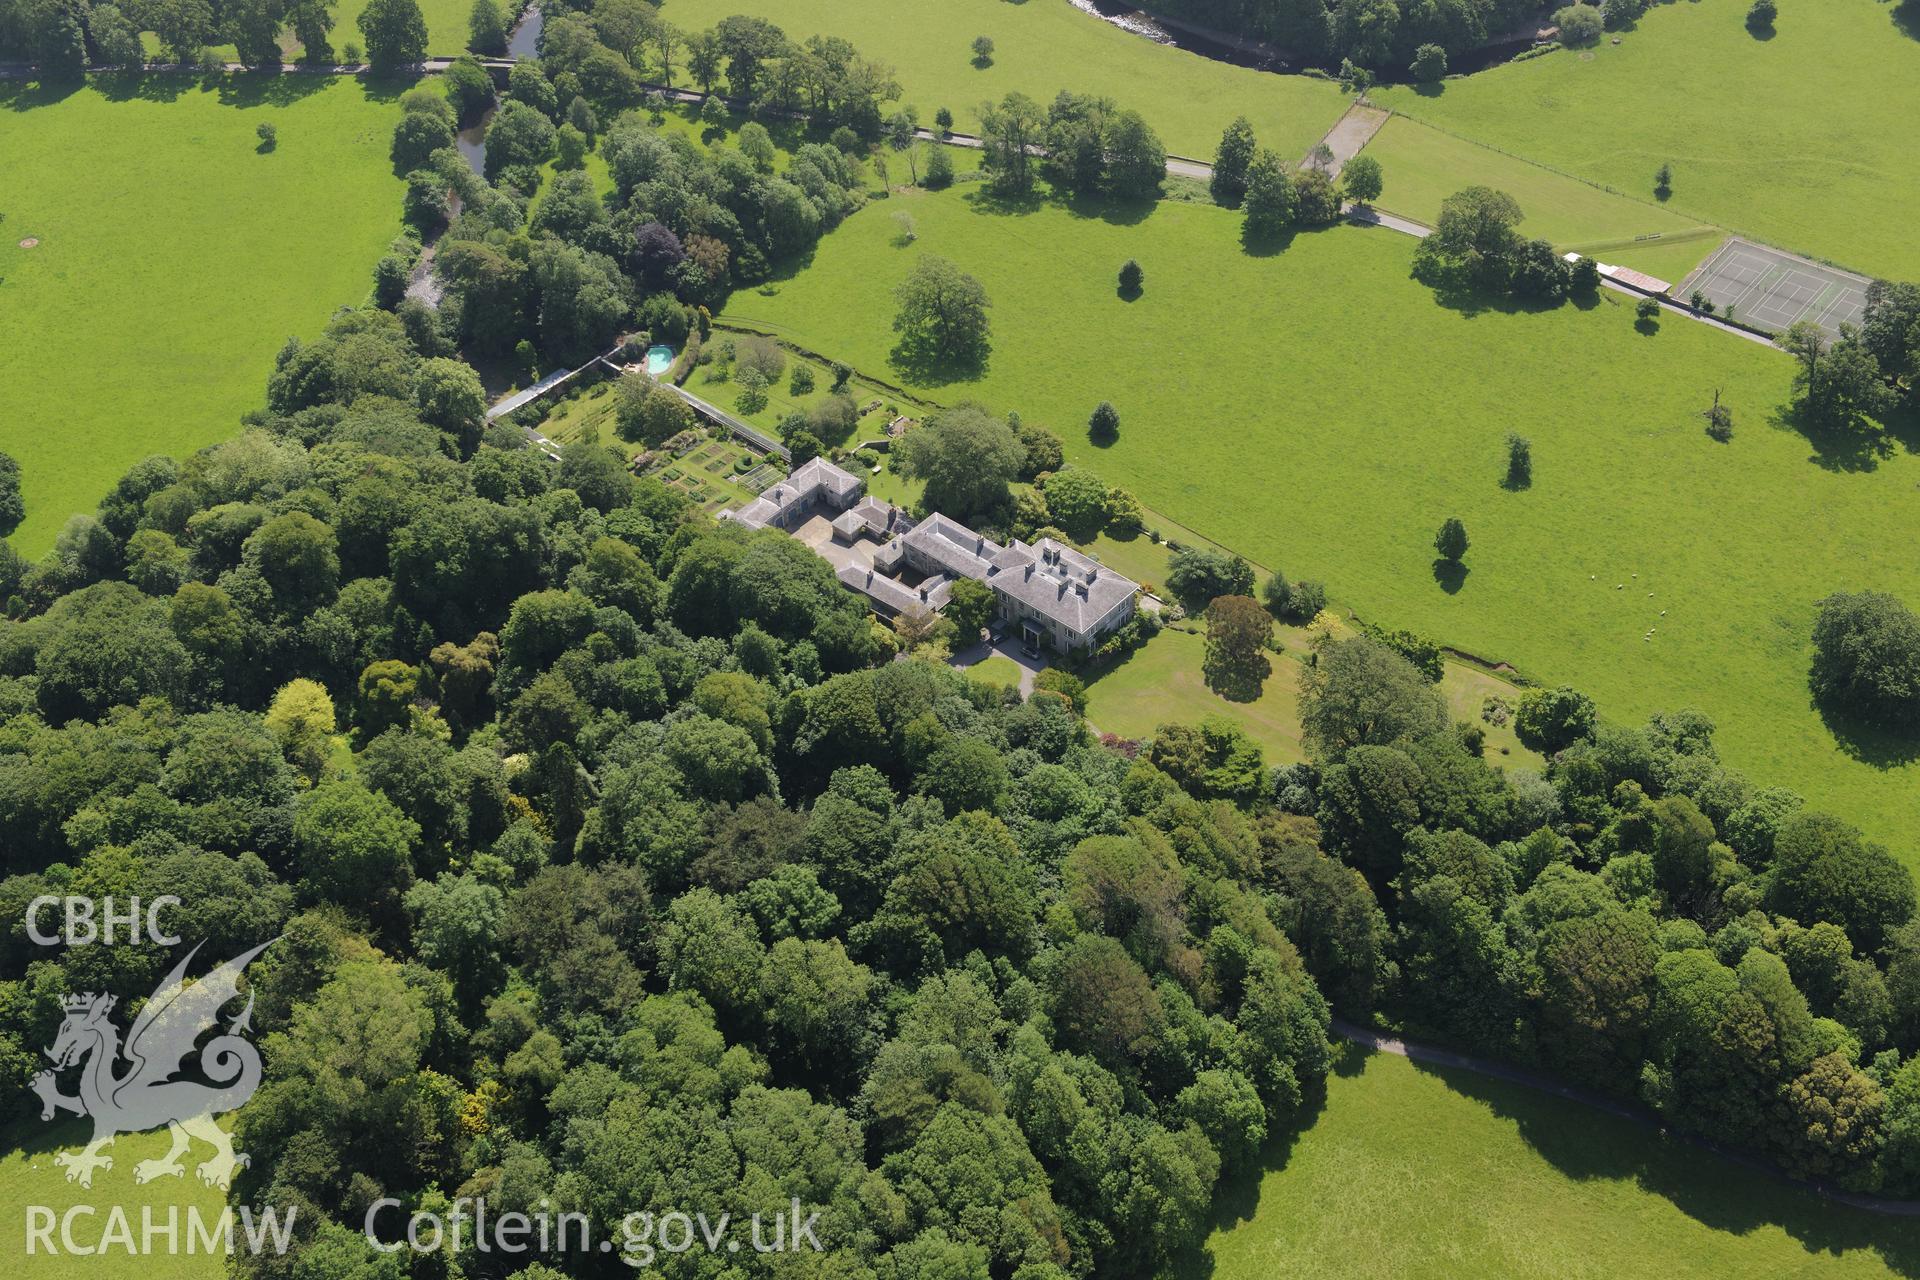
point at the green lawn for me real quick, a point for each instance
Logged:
(1466, 689)
(1806, 139)
(28, 1177)
(996, 670)
(1320, 411)
(1040, 48)
(782, 401)
(1161, 684)
(174, 260)
(1423, 166)
(890, 486)
(1414, 1173)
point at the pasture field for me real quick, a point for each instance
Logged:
(1040, 48)
(1410, 1171)
(1325, 413)
(1423, 166)
(174, 260)
(28, 1176)
(447, 31)
(1804, 139)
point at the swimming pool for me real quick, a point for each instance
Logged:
(659, 360)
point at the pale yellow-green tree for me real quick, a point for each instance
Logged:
(301, 720)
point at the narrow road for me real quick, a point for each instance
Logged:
(1367, 216)
(432, 66)
(1540, 1082)
(1348, 135)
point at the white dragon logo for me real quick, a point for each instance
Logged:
(146, 1096)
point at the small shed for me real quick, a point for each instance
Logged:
(1639, 281)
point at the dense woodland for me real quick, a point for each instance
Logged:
(1377, 34)
(613, 862)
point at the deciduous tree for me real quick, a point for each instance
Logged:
(395, 32)
(942, 316)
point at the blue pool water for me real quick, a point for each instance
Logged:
(659, 359)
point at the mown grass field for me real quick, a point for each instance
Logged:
(1416, 1174)
(1423, 166)
(1320, 411)
(1163, 683)
(1040, 48)
(173, 261)
(29, 1177)
(447, 31)
(1805, 139)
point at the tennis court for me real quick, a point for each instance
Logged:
(1771, 290)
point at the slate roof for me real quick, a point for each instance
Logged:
(891, 593)
(811, 480)
(870, 515)
(1059, 582)
(953, 546)
(1053, 579)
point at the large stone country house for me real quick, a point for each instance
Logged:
(1053, 595)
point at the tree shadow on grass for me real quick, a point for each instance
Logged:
(268, 88)
(924, 364)
(1240, 686)
(1903, 425)
(1906, 16)
(1721, 1192)
(33, 1137)
(386, 86)
(1236, 1197)
(782, 271)
(1108, 209)
(1457, 291)
(1847, 448)
(1451, 575)
(25, 95)
(984, 199)
(1870, 744)
(1266, 244)
(1113, 212)
(135, 86)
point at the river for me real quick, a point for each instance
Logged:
(1241, 51)
(524, 42)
